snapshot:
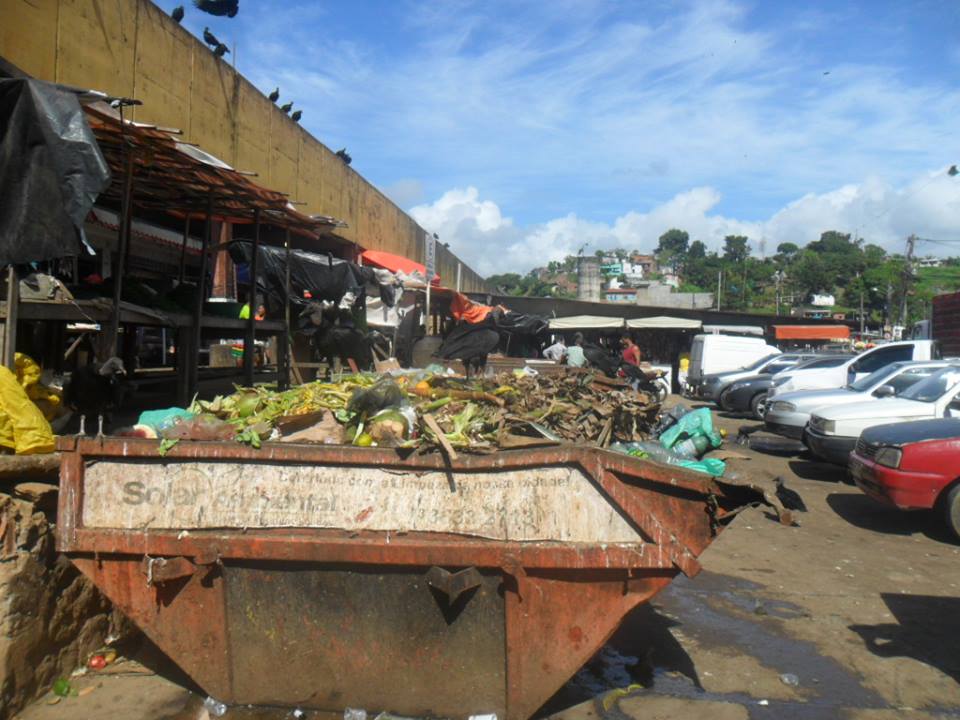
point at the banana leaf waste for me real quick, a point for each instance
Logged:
(419, 410)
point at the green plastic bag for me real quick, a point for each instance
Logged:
(691, 425)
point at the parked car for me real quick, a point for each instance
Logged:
(832, 432)
(856, 367)
(750, 394)
(912, 466)
(713, 385)
(789, 413)
(718, 353)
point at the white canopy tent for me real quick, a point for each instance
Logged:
(586, 322)
(663, 322)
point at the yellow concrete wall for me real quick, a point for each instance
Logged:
(132, 48)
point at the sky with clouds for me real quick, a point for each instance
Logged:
(520, 131)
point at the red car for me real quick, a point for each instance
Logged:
(912, 465)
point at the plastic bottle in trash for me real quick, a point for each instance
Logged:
(692, 447)
(215, 707)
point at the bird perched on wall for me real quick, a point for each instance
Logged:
(344, 155)
(209, 38)
(218, 7)
(220, 50)
(297, 114)
(94, 390)
(275, 95)
(287, 107)
(177, 14)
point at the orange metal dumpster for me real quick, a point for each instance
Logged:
(329, 577)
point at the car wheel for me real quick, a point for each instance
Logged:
(951, 509)
(758, 405)
(724, 400)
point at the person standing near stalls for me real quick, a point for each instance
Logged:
(575, 356)
(631, 352)
(556, 351)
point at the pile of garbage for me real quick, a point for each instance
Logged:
(420, 410)
(428, 410)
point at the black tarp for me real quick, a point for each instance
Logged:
(51, 172)
(324, 277)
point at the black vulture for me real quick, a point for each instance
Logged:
(93, 390)
(218, 7)
(297, 114)
(209, 38)
(275, 95)
(287, 108)
(790, 498)
(177, 14)
(220, 50)
(601, 359)
(344, 155)
(470, 344)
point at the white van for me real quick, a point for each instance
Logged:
(718, 353)
(858, 366)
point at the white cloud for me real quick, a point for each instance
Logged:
(873, 210)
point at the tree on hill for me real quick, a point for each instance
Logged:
(672, 249)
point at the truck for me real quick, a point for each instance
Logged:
(945, 323)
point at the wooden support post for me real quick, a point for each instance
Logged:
(120, 258)
(193, 362)
(283, 342)
(10, 321)
(183, 248)
(250, 336)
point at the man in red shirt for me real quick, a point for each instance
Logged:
(631, 352)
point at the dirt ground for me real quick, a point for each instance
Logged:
(854, 614)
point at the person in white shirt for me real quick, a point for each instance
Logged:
(556, 351)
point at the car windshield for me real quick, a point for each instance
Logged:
(935, 386)
(877, 377)
(761, 362)
(822, 363)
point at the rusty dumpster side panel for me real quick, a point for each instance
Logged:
(337, 607)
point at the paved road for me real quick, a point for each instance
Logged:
(860, 604)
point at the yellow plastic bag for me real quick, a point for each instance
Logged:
(28, 375)
(23, 428)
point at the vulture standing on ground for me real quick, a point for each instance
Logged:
(297, 114)
(220, 50)
(287, 107)
(177, 14)
(275, 95)
(790, 498)
(94, 390)
(344, 155)
(218, 7)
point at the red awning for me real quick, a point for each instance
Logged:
(811, 332)
(395, 263)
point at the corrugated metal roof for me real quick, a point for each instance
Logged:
(176, 177)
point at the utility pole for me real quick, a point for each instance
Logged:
(719, 287)
(907, 277)
(860, 278)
